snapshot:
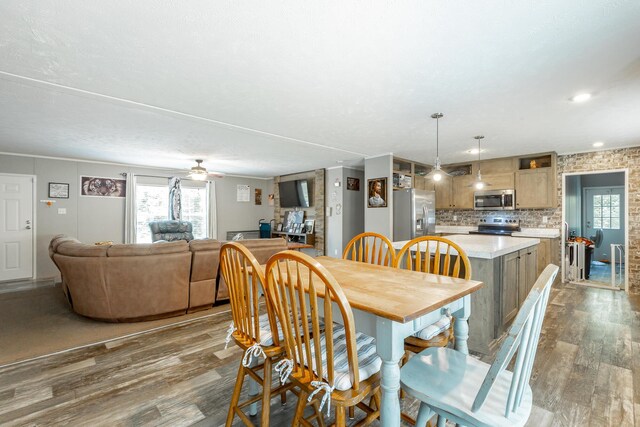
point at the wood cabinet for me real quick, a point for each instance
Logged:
(533, 177)
(519, 273)
(500, 181)
(444, 192)
(548, 253)
(509, 288)
(454, 192)
(527, 272)
(306, 238)
(535, 188)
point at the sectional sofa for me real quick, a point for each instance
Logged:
(136, 282)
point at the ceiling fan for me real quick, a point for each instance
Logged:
(200, 173)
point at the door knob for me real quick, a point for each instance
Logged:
(28, 227)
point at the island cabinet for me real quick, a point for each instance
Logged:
(519, 273)
(507, 267)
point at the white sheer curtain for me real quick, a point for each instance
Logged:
(130, 209)
(213, 222)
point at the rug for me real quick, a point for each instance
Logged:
(39, 322)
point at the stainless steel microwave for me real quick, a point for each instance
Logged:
(494, 200)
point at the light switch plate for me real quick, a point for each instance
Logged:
(62, 211)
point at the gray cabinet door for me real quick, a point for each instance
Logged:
(509, 291)
(527, 272)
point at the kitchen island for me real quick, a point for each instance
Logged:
(508, 268)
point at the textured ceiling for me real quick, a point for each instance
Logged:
(268, 88)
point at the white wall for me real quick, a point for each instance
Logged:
(92, 219)
(353, 206)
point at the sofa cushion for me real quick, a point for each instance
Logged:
(75, 248)
(263, 249)
(143, 249)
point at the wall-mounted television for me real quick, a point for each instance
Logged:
(296, 194)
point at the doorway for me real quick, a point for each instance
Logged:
(595, 236)
(17, 228)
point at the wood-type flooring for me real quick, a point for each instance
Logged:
(587, 373)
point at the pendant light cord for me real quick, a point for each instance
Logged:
(437, 137)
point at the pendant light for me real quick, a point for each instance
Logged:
(479, 184)
(437, 173)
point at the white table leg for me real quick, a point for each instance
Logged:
(253, 390)
(461, 326)
(390, 347)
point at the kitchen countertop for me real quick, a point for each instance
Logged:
(544, 233)
(485, 246)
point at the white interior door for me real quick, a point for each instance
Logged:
(604, 208)
(16, 227)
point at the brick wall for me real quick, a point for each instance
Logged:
(315, 212)
(581, 162)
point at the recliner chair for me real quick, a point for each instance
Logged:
(170, 230)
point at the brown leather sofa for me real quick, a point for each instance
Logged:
(135, 282)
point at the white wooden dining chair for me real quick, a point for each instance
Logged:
(469, 392)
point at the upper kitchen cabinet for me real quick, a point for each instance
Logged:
(455, 191)
(499, 181)
(535, 182)
(408, 174)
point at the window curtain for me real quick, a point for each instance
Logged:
(213, 222)
(130, 209)
(175, 198)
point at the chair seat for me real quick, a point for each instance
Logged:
(369, 362)
(266, 338)
(434, 329)
(449, 380)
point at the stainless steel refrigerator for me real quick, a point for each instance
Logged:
(414, 213)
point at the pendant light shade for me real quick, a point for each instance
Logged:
(437, 173)
(479, 184)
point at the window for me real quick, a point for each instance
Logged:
(606, 211)
(152, 204)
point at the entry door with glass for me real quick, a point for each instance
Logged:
(604, 209)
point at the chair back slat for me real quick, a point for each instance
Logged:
(245, 280)
(522, 338)
(303, 291)
(370, 248)
(436, 255)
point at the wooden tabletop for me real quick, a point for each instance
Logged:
(393, 293)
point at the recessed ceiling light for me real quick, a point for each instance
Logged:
(474, 151)
(598, 144)
(581, 97)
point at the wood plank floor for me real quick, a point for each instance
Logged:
(587, 372)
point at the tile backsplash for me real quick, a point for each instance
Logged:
(529, 218)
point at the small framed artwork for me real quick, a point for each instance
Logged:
(258, 196)
(377, 193)
(58, 190)
(279, 226)
(353, 184)
(308, 226)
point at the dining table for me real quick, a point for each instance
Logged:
(391, 304)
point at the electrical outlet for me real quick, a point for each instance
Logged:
(545, 219)
(62, 211)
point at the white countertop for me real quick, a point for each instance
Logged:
(543, 233)
(485, 246)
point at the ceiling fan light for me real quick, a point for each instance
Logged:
(198, 173)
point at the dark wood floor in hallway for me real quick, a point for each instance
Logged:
(587, 372)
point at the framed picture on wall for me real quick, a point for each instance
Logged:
(353, 184)
(377, 193)
(58, 190)
(94, 186)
